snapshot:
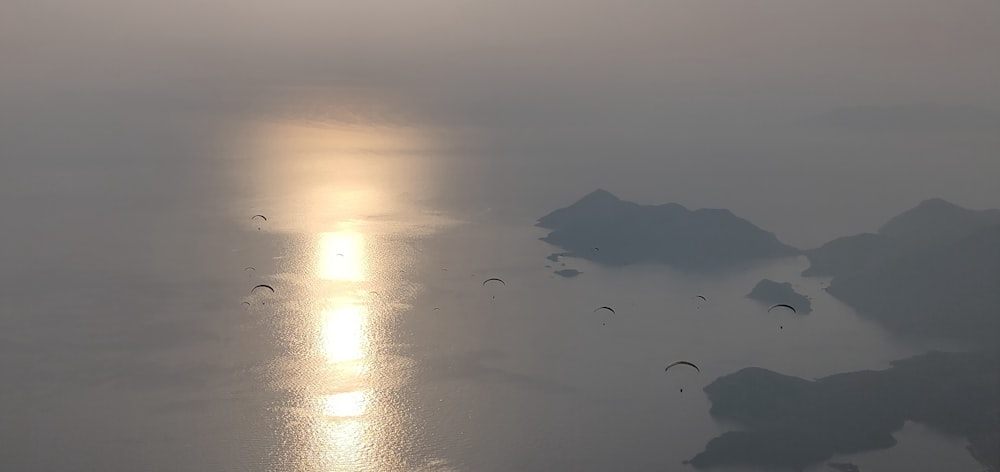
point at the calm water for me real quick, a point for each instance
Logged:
(130, 338)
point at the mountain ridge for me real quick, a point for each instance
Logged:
(931, 270)
(791, 422)
(605, 229)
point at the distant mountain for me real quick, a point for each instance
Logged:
(950, 289)
(849, 254)
(935, 221)
(933, 270)
(607, 230)
(793, 423)
(771, 292)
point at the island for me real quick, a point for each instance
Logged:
(606, 230)
(568, 273)
(771, 292)
(791, 423)
(933, 270)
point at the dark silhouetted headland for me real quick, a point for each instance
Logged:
(771, 292)
(932, 222)
(932, 270)
(792, 422)
(605, 229)
(951, 289)
(848, 254)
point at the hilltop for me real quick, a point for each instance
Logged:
(793, 423)
(932, 270)
(605, 229)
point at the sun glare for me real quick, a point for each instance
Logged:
(339, 185)
(342, 256)
(343, 333)
(345, 405)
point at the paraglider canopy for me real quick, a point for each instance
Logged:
(681, 363)
(782, 305)
(702, 297)
(494, 279)
(262, 286)
(612, 310)
(258, 217)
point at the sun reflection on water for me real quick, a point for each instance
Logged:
(345, 405)
(342, 444)
(343, 190)
(342, 256)
(343, 333)
(341, 259)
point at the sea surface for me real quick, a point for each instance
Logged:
(132, 337)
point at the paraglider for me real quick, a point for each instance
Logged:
(782, 305)
(677, 363)
(258, 218)
(246, 303)
(494, 279)
(681, 363)
(254, 290)
(702, 297)
(612, 310)
(249, 268)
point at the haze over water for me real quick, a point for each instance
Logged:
(401, 155)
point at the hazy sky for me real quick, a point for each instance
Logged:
(806, 53)
(785, 104)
